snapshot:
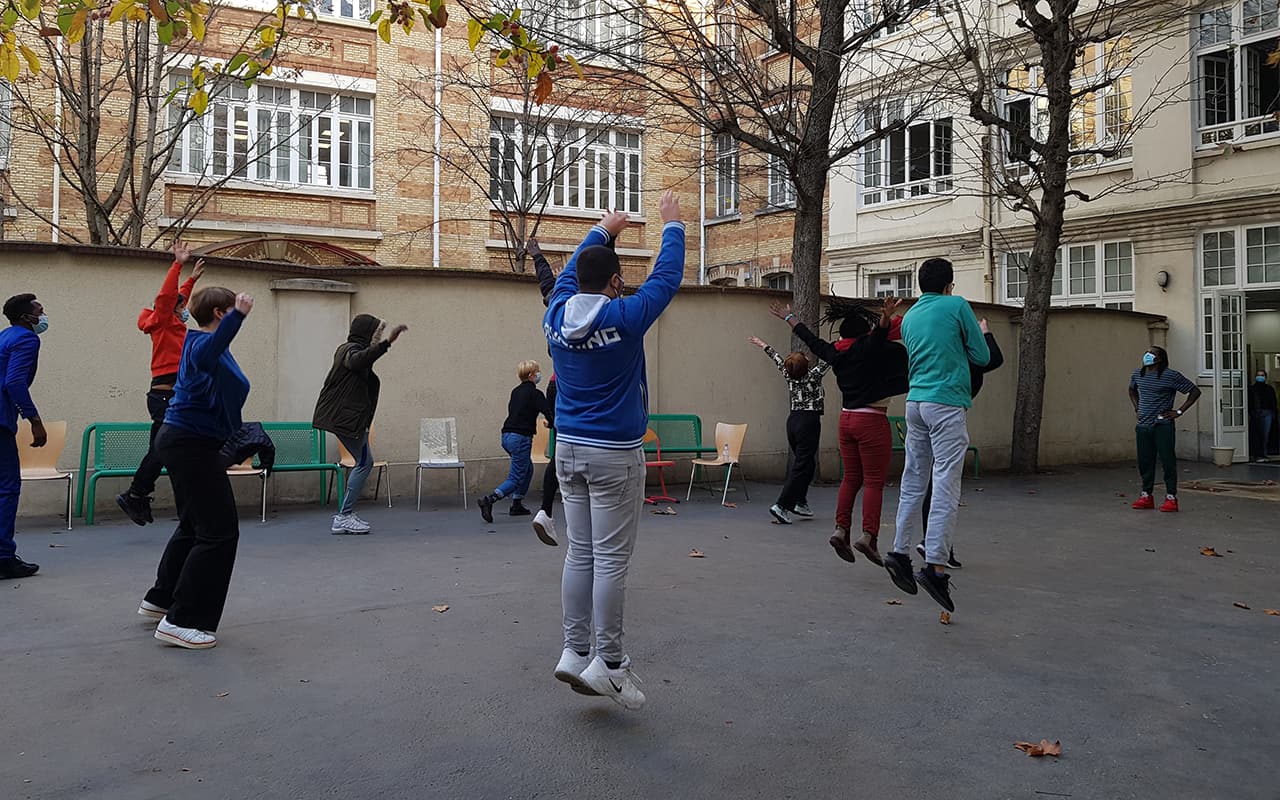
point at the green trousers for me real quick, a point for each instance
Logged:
(1157, 441)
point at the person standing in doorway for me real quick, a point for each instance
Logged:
(1262, 413)
(597, 342)
(195, 570)
(544, 525)
(166, 323)
(526, 403)
(870, 369)
(347, 403)
(19, 357)
(804, 429)
(943, 338)
(1152, 389)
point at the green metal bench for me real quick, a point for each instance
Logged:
(118, 447)
(684, 430)
(899, 427)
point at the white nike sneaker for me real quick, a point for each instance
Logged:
(189, 638)
(350, 524)
(545, 527)
(619, 685)
(151, 610)
(802, 510)
(570, 670)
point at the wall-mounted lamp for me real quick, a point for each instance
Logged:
(1162, 280)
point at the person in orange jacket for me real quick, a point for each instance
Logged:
(166, 323)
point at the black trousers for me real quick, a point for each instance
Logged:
(195, 570)
(144, 480)
(550, 485)
(804, 429)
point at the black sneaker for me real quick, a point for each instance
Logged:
(952, 562)
(138, 508)
(12, 568)
(899, 567)
(486, 507)
(938, 586)
(518, 509)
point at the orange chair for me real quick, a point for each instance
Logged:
(658, 463)
(348, 461)
(41, 463)
(728, 448)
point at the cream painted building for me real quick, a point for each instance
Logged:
(1199, 244)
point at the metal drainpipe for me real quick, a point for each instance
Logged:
(435, 163)
(702, 194)
(57, 141)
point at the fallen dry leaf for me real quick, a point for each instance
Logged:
(184, 769)
(440, 609)
(979, 489)
(1149, 549)
(1209, 551)
(57, 545)
(222, 694)
(1045, 748)
(945, 618)
(696, 553)
(666, 512)
(1121, 494)
(893, 602)
(730, 505)
(304, 680)
(1271, 612)
(1245, 606)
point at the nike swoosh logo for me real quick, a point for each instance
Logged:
(615, 686)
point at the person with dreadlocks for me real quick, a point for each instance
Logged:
(804, 429)
(870, 368)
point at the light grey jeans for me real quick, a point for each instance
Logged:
(937, 438)
(603, 494)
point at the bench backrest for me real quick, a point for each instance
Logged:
(120, 445)
(297, 443)
(898, 426)
(676, 431)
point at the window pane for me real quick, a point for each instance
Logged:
(364, 155)
(1218, 88)
(897, 158)
(346, 150)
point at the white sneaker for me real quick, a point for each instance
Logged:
(570, 670)
(920, 549)
(619, 685)
(779, 513)
(189, 638)
(350, 524)
(802, 510)
(151, 610)
(545, 527)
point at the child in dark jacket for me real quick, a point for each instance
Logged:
(526, 403)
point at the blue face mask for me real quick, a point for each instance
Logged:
(537, 379)
(184, 315)
(42, 324)
(1148, 359)
(1260, 378)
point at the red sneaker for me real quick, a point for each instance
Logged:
(1145, 501)
(1170, 504)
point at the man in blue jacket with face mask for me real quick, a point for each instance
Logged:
(596, 338)
(19, 355)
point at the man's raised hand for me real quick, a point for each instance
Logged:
(614, 222)
(669, 207)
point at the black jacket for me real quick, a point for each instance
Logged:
(1261, 397)
(976, 372)
(350, 395)
(251, 440)
(872, 369)
(527, 402)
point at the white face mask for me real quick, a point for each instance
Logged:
(42, 324)
(537, 378)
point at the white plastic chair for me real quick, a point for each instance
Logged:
(41, 463)
(248, 470)
(438, 449)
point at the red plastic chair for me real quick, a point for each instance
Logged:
(659, 463)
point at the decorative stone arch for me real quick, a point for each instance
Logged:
(289, 250)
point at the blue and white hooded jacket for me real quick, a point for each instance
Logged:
(597, 344)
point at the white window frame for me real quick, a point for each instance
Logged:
(882, 160)
(1106, 114)
(597, 153)
(1243, 246)
(902, 283)
(726, 172)
(607, 30)
(1224, 35)
(6, 122)
(727, 33)
(358, 10)
(783, 279)
(864, 14)
(782, 192)
(258, 111)
(1078, 281)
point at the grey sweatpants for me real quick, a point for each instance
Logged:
(603, 494)
(937, 439)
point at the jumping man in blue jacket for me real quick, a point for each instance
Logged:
(19, 354)
(596, 338)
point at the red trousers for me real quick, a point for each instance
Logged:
(866, 445)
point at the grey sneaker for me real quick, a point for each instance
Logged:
(802, 510)
(779, 513)
(349, 525)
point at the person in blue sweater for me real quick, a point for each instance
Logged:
(943, 339)
(19, 356)
(195, 570)
(597, 342)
